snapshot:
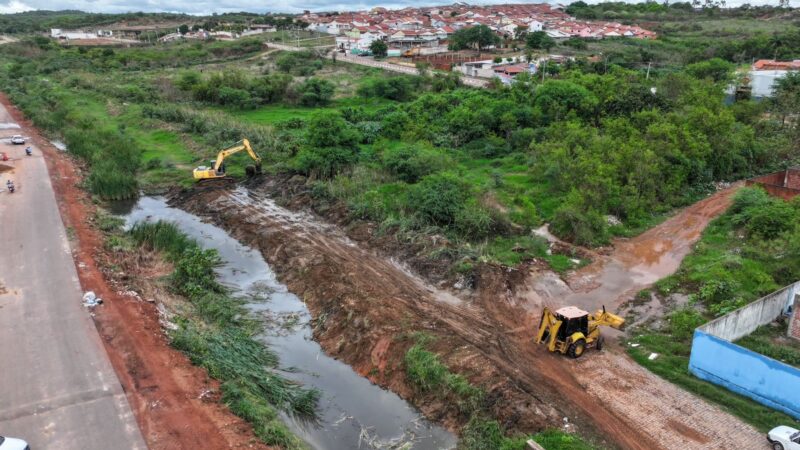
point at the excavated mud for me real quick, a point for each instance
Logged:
(366, 307)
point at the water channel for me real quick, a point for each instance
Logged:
(353, 412)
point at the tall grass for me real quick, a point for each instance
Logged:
(218, 334)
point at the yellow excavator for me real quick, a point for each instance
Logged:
(217, 169)
(571, 330)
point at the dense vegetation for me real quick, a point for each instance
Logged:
(750, 251)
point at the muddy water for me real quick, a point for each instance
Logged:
(354, 413)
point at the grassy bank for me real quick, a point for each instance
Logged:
(429, 376)
(744, 254)
(217, 333)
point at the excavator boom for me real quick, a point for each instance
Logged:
(218, 169)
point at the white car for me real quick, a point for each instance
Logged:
(13, 444)
(17, 139)
(781, 438)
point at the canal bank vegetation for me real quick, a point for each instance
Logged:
(751, 250)
(217, 333)
(426, 373)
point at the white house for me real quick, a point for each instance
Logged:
(534, 26)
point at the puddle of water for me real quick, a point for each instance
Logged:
(8, 126)
(353, 412)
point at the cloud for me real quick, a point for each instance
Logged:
(14, 6)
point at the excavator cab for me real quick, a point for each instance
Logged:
(573, 320)
(571, 330)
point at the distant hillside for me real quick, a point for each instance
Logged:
(43, 21)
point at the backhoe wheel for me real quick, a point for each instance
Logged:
(600, 342)
(576, 348)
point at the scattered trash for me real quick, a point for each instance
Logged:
(613, 220)
(90, 300)
(652, 356)
(635, 345)
(575, 261)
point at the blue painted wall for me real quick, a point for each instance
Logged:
(763, 379)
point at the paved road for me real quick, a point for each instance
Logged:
(57, 387)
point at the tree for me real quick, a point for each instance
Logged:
(379, 48)
(479, 36)
(557, 98)
(716, 69)
(183, 29)
(539, 40)
(315, 92)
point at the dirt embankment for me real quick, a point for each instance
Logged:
(366, 305)
(174, 401)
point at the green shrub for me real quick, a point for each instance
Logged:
(399, 88)
(412, 162)
(438, 198)
(579, 223)
(682, 323)
(324, 162)
(315, 92)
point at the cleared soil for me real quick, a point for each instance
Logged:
(174, 401)
(366, 305)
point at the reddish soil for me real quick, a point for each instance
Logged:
(174, 401)
(366, 308)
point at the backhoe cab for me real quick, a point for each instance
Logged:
(570, 330)
(217, 169)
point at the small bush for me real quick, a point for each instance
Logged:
(411, 162)
(438, 198)
(315, 92)
(683, 322)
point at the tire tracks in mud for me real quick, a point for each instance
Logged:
(308, 255)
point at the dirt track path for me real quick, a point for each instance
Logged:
(609, 392)
(670, 415)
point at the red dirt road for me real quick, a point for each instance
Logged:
(168, 395)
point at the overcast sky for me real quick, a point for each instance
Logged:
(260, 6)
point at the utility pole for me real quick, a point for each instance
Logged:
(648, 71)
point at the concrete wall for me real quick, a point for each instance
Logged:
(794, 321)
(765, 380)
(762, 82)
(745, 320)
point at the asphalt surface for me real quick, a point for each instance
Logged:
(58, 389)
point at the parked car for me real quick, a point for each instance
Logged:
(13, 444)
(17, 139)
(781, 438)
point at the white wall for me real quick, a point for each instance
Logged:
(746, 319)
(762, 82)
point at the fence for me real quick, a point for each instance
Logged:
(716, 359)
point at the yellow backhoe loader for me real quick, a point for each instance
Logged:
(570, 330)
(217, 169)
